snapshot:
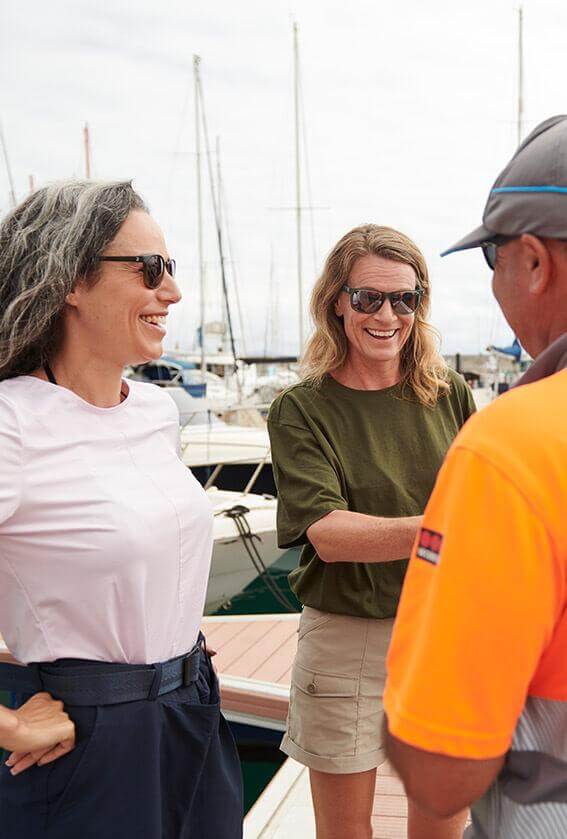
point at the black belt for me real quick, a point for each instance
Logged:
(103, 683)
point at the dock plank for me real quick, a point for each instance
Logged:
(390, 805)
(388, 785)
(224, 632)
(243, 645)
(256, 664)
(389, 827)
(278, 664)
(211, 628)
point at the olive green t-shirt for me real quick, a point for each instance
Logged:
(370, 451)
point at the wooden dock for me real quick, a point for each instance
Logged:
(254, 658)
(284, 809)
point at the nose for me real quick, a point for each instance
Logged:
(385, 313)
(169, 291)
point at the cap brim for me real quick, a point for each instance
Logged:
(473, 240)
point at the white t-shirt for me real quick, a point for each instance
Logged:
(105, 536)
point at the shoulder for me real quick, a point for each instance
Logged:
(16, 396)
(295, 402)
(11, 438)
(459, 398)
(151, 398)
(8, 409)
(459, 389)
(522, 426)
(456, 381)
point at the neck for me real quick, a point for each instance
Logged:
(361, 374)
(94, 379)
(556, 330)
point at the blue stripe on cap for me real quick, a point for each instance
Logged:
(558, 189)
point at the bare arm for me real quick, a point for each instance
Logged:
(38, 732)
(439, 784)
(344, 536)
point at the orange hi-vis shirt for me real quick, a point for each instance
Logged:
(478, 661)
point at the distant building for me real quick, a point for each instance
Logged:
(492, 369)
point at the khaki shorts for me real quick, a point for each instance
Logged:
(335, 713)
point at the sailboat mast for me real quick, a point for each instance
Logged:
(219, 211)
(8, 167)
(520, 73)
(196, 62)
(216, 212)
(298, 182)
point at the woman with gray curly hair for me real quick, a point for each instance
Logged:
(105, 537)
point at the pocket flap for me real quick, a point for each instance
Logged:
(315, 683)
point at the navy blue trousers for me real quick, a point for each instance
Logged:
(161, 769)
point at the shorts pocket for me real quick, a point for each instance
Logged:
(310, 620)
(323, 712)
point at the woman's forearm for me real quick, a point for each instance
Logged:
(344, 536)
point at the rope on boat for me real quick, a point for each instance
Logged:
(238, 515)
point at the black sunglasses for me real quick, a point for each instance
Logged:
(154, 267)
(489, 249)
(368, 302)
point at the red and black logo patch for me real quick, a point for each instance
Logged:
(429, 545)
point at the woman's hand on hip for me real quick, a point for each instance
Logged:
(39, 732)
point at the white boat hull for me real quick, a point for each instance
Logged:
(231, 567)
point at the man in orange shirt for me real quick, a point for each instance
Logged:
(476, 698)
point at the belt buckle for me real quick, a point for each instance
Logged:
(188, 677)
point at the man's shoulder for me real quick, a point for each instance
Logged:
(521, 423)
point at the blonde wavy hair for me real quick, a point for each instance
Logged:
(423, 371)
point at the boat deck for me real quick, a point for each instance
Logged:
(254, 658)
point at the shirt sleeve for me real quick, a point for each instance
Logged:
(465, 400)
(308, 485)
(468, 403)
(10, 461)
(478, 608)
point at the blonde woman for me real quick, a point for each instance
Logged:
(356, 447)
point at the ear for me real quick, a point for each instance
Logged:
(74, 297)
(538, 263)
(339, 309)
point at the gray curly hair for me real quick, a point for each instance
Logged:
(47, 243)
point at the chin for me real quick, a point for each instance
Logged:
(385, 353)
(145, 355)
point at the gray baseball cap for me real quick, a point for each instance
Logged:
(530, 194)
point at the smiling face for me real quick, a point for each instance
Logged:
(376, 340)
(118, 318)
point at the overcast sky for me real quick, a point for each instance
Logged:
(410, 113)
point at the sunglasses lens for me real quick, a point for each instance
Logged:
(489, 251)
(366, 301)
(405, 303)
(153, 270)
(171, 267)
